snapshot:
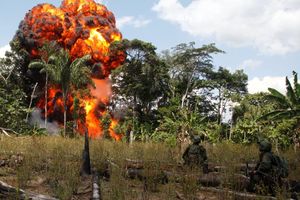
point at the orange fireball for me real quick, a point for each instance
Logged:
(82, 27)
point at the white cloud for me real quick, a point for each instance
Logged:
(3, 50)
(262, 84)
(250, 64)
(132, 21)
(272, 26)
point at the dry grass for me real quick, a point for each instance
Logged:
(51, 166)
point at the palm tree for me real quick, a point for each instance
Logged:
(67, 73)
(289, 103)
(44, 66)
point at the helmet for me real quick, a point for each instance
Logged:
(196, 139)
(265, 146)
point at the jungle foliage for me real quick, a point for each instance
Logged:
(163, 97)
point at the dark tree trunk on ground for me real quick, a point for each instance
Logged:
(9, 192)
(46, 100)
(86, 163)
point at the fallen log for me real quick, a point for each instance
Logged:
(139, 164)
(236, 195)
(136, 164)
(8, 191)
(237, 182)
(242, 167)
(213, 179)
(137, 169)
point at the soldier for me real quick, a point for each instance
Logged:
(195, 155)
(263, 177)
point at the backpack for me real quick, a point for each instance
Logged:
(281, 166)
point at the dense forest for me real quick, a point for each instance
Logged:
(160, 97)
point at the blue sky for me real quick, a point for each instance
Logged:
(261, 37)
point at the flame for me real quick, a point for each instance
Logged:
(112, 132)
(82, 27)
(92, 121)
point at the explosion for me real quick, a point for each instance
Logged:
(82, 27)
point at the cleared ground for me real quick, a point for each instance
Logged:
(51, 166)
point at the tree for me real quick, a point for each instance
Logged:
(12, 108)
(246, 127)
(12, 98)
(142, 80)
(225, 87)
(180, 126)
(288, 109)
(189, 66)
(289, 104)
(67, 74)
(43, 65)
(15, 65)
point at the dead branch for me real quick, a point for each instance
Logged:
(3, 78)
(5, 133)
(179, 196)
(31, 99)
(8, 76)
(7, 191)
(4, 130)
(113, 163)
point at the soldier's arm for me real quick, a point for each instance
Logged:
(204, 154)
(265, 164)
(185, 153)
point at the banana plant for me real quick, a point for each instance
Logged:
(289, 104)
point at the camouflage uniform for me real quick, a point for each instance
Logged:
(264, 178)
(195, 155)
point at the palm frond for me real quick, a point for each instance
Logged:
(269, 115)
(290, 93)
(296, 86)
(277, 115)
(276, 93)
(278, 97)
(37, 65)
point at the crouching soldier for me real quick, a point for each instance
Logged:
(265, 179)
(195, 155)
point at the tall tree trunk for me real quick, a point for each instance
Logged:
(296, 138)
(183, 100)
(31, 99)
(219, 108)
(185, 95)
(65, 113)
(189, 84)
(133, 131)
(75, 114)
(46, 100)
(86, 163)
(231, 129)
